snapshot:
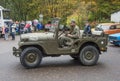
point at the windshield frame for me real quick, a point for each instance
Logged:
(0, 14)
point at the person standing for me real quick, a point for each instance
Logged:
(39, 26)
(13, 27)
(22, 25)
(34, 23)
(3, 31)
(27, 28)
(48, 26)
(6, 33)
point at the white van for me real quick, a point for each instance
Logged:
(4, 18)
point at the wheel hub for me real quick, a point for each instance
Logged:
(31, 57)
(89, 55)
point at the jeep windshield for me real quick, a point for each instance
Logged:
(54, 24)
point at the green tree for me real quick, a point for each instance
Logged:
(94, 10)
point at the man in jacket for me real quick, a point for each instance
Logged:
(69, 38)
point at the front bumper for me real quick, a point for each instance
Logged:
(16, 52)
(104, 49)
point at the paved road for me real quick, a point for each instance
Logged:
(61, 68)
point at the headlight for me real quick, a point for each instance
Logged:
(102, 42)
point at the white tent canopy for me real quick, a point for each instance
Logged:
(115, 17)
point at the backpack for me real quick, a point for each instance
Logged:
(6, 30)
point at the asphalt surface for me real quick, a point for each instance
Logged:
(62, 68)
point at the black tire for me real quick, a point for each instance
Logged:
(75, 57)
(31, 57)
(89, 55)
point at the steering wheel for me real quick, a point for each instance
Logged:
(63, 32)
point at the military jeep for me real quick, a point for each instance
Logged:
(34, 46)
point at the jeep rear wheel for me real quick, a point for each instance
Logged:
(31, 57)
(89, 55)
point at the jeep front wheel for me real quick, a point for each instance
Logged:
(31, 57)
(89, 55)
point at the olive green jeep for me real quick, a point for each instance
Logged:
(34, 46)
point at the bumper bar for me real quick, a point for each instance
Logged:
(16, 52)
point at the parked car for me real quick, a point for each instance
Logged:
(108, 28)
(115, 39)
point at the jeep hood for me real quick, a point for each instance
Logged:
(38, 36)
